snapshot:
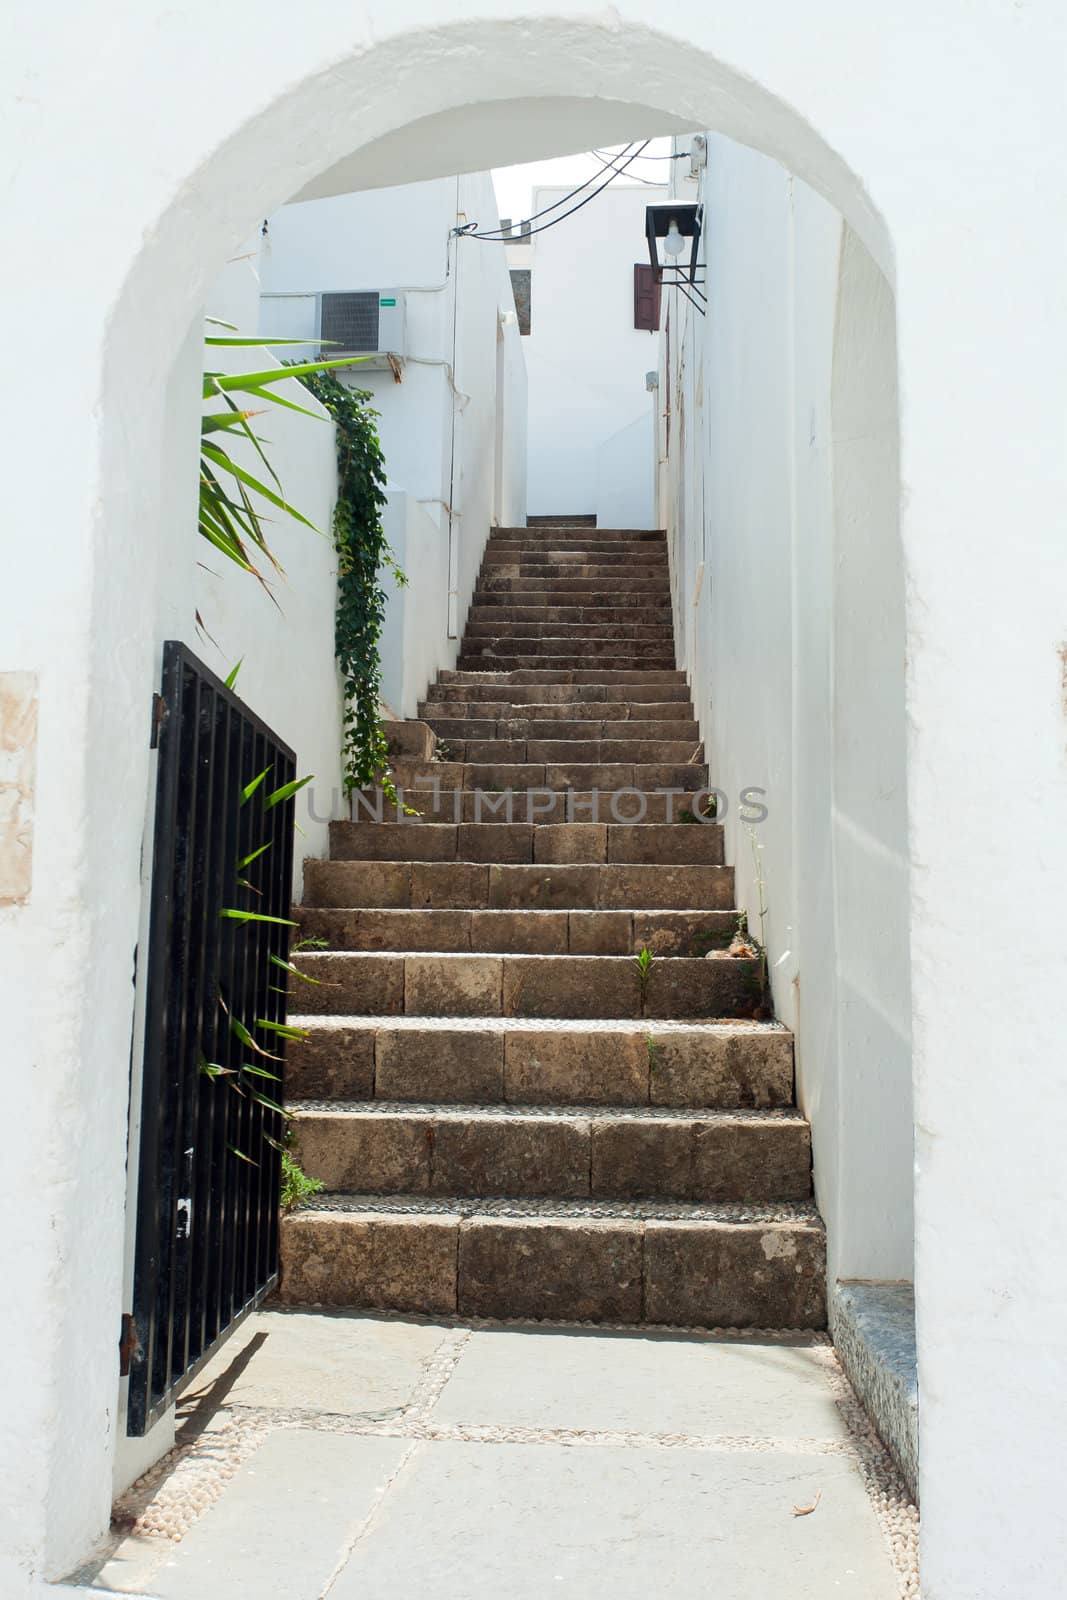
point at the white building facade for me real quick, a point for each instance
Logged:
(157, 149)
(590, 410)
(451, 402)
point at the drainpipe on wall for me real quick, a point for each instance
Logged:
(453, 540)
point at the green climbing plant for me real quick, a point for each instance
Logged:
(363, 556)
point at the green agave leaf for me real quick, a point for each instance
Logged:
(221, 459)
(229, 680)
(219, 421)
(259, 343)
(260, 1072)
(232, 1148)
(260, 380)
(282, 1028)
(286, 790)
(247, 1040)
(271, 1105)
(246, 861)
(211, 1069)
(280, 400)
(253, 438)
(287, 966)
(236, 915)
(250, 788)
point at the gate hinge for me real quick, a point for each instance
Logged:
(159, 716)
(129, 1344)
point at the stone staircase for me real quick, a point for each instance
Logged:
(512, 1115)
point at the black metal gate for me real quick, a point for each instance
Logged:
(207, 1195)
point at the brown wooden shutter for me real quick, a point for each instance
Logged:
(646, 298)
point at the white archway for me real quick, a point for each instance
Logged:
(152, 151)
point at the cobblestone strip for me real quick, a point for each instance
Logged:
(169, 1498)
(897, 1514)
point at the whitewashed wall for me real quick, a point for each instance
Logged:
(415, 645)
(438, 426)
(587, 362)
(779, 487)
(625, 475)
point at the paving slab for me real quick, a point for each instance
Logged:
(469, 1521)
(320, 1361)
(285, 1522)
(650, 1385)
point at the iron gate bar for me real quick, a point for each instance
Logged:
(206, 1249)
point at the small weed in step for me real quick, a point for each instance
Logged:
(644, 960)
(297, 1188)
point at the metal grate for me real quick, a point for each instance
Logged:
(207, 1217)
(350, 322)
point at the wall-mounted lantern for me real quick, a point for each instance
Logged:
(671, 231)
(673, 236)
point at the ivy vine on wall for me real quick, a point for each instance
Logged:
(363, 554)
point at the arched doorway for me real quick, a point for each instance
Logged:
(160, 176)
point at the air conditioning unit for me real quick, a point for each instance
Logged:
(364, 322)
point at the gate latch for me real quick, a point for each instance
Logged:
(159, 716)
(129, 1344)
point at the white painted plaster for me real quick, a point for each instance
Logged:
(587, 362)
(624, 469)
(415, 645)
(141, 157)
(438, 424)
(780, 490)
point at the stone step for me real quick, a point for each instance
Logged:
(515, 1152)
(565, 553)
(548, 933)
(609, 571)
(601, 677)
(509, 1061)
(354, 983)
(616, 842)
(518, 642)
(584, 580)
(551, 532)
(480, 886)
(530, 806)
(502, 776)
(674, 1263)
(557, 519)
(582, 616)
(593, 719)
(507, 662)
(519, 698)
(585, 750)
(529, 731)
(605, 553)
(601, 632)
(573, 607)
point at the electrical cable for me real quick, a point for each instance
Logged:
(635, 177)
(555, 204)
(680, 155)
(498, 237)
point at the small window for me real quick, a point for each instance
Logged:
(520, 288)
(646, 299)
